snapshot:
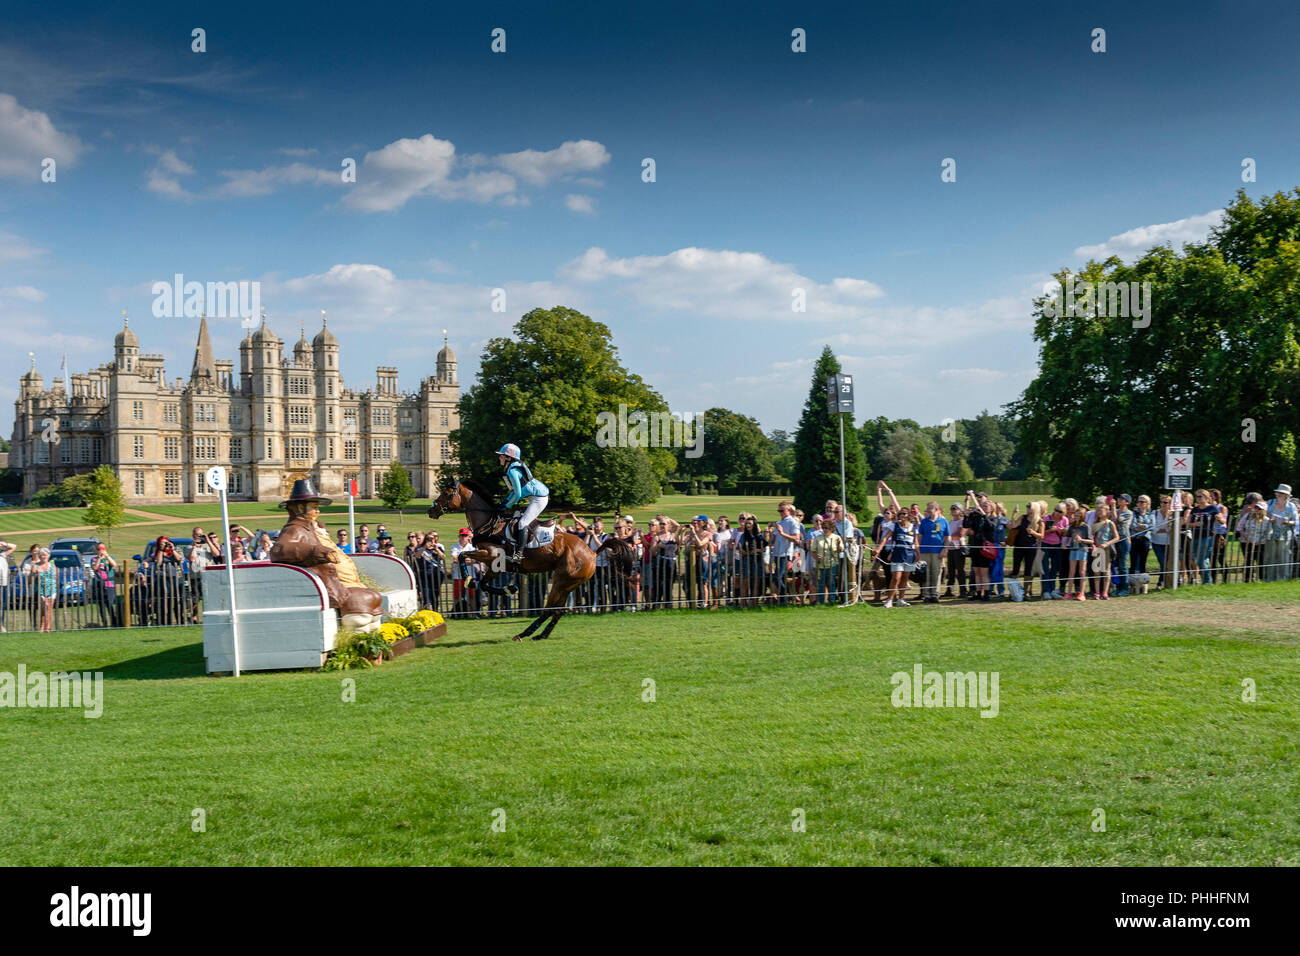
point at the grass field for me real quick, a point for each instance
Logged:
(27, 528)
(1134, 707)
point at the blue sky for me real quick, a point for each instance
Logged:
(522, 171)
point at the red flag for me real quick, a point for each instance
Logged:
(352, 487)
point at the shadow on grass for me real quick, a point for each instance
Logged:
(171, 664)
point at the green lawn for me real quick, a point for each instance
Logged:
(757, 713)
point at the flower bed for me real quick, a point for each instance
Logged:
(393, 639)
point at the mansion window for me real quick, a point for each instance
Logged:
(236, 449)
(43, 453)
(349, 451)
(172, 414)
(300, 448)
(381, 416)
(299, 414)
(65, 451)
(442, 418)
(236, 483)
(444, 449)
(171, 482)
(171, 448)
(299, 385)
(201, 485)
(139, 482)
(83, 450)
(205, 413)
(270, 452)
(137, 411)
(205, 449)
(235, 417)
(408, 449)
(331, 414)
(97, 452)
(137, 446)
(381, 449)
(268, 415)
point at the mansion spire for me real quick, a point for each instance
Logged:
(204, 363)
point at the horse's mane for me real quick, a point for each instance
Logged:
(479, 491)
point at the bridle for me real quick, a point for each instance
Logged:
(482, 528)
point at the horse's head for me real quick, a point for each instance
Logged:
(449, 499)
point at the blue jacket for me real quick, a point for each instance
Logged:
(522, 484)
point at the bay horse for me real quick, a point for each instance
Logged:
(570, 561)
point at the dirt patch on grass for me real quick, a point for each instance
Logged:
(1280, 617)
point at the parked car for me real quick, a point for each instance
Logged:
(83, 546)
(72, 580)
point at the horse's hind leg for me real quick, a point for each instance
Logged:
(561, 587)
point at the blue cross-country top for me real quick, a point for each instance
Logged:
(522, 483)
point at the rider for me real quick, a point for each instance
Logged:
(522, 485)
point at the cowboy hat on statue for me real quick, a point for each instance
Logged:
(304, 544)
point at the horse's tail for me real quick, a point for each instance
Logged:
(621, 555)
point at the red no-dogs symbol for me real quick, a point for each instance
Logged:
(1180, 462)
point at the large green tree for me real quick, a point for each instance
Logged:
(731, 447)
(544, 388)
(1217, 367)
(817, 450)
(990, 451)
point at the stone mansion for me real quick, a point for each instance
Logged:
(280, 419)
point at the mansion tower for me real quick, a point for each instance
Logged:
(281, 418)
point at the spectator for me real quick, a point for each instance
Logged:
(263, 550)
(103, 586)
(237, 553)
(933, 535)
(827, 550)
(1105, 536)
(27, 568)
(239, 531)
(1080, 543)
(461, 575)
(1122, 519)
(1219, 528)
(665, 562)
(6, 549)
(981, 529)
(385, 545)
(1023, 539)
(428, 562)
(957, 552)
(204, 550)
(1281, 517)
(787, 535)
(1251, 529)
(855, 546)
(1161, 528)
(1056, 577)
(166, 583)
(46, 579)
(900, 541)
(342, 542)
(750, 560)
(1201, 524)
(1144, 522)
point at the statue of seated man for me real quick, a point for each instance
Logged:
(303, 543)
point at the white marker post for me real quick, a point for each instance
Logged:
(216, 480)
(352, 525)
(1178, 478)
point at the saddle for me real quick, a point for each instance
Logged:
(540, 533)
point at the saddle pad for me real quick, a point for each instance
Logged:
(541, 537)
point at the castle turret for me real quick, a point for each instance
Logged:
(126, 347)
(446, 362)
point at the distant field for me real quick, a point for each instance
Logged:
(759, 719)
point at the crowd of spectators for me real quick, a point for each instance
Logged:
(972, 550)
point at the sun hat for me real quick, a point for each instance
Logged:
(1282, 489)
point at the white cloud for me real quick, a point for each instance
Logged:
(27, 137)
(537, 168)
(407, 168)
(262, 182)
(17, 249)
(580, 204)
(297, 151)
(723, 283)
(26, 293)
(163, 177)
(1132, 244)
